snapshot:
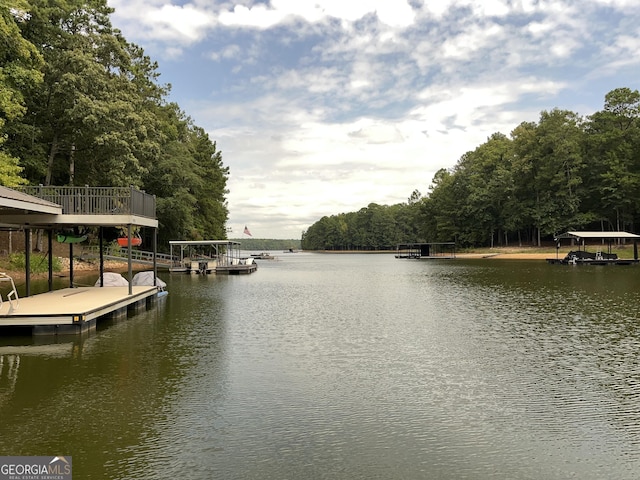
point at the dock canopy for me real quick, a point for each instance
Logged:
(581, 256)
(598, 235)
(426, 250)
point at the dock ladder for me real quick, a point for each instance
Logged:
(12, 296)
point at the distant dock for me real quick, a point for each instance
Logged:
(426, 251)
(600, 257)
(209, 256)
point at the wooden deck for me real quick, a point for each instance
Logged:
(73, 310)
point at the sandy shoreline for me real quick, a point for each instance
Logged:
(511, 256)
(479, 255)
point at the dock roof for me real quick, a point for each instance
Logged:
(598, 235)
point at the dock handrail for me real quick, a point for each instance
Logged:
(96, 200)
(137, 256)
(12, 296)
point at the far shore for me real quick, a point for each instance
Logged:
(482, 255)
(90, 268)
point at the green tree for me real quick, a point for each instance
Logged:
(548, 164)
(441, 209)
(189, 180)
(90, 119)
(613, 154)
(20, 65)
(211, 209)
(486, 173)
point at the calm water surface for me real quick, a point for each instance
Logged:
(346, 367)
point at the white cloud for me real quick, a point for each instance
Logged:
(163, 21)
(395, 14)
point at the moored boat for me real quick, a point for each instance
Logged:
(146, 279)
(263, 256)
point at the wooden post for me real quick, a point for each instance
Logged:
(101, 243)
(27, 260)
(50, 247)
(155, 255)
(130, 267)
(71, 265)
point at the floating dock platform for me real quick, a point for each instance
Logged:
(75, 310)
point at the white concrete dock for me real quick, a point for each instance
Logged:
(73, 310)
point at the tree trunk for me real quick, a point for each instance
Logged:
(52, 156)
(72, 165)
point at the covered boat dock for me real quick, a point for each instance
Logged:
(425, 251)
(596, 240)
(209, 256)
(54, 209)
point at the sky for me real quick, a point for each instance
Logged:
(321, 107)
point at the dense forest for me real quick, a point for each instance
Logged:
(560, 173)
(79, 105)
(266, 244)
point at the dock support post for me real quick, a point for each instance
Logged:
(50, 247)
(635, 250)
(130, 268)
(155, 256)
(101, 242)
(71, 265)
(27, 260)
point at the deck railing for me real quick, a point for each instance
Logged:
(122, 254)
(96, 200)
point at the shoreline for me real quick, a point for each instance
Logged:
(478, 255)
(80, 267)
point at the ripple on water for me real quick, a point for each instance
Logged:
(341, 367)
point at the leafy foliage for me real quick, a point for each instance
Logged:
(79, 105)
(37, 263)
(266, 244)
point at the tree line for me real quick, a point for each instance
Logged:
(563, 172)
(267, 244)
(80, 105)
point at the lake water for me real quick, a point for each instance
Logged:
(346, 367)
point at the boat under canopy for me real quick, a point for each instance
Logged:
(599, 257)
